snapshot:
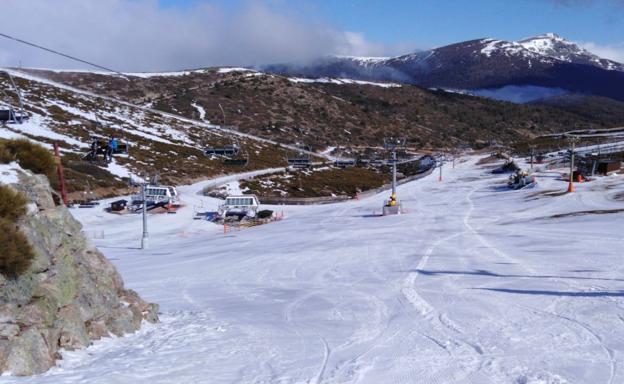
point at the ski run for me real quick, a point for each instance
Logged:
(474, 284)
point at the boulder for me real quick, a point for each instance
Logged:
(70, 295)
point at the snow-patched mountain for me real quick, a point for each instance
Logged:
(552, 45)
(546, 62)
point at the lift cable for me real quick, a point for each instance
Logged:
(62, 54)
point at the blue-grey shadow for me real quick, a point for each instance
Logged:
(556, 293)
(116, 247)
(483, 272)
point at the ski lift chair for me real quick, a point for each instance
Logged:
(99, 150)
(240, 161)
(344, 163)
(229, 150)
(8, 114)
(299, 161)
(122, 148)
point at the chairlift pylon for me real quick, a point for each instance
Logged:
(393, 206)
(8, 113)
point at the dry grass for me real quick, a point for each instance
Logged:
(326, 182)
(12, 204)
(28, 155)
(16, 254)
(178, 161)
(329, 114)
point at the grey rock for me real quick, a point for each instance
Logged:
(29, 354)
(70, 296)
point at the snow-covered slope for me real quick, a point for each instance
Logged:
(475, 284)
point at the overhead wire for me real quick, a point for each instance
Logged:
(62, 54)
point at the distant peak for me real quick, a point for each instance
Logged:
(551, 35)
(548, 36)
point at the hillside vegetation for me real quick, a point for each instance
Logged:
(158, 144)
(325, 114)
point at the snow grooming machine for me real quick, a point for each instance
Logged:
(8, 113)
(240, 206)
(165, 197)
(392, 206)
(521, 179)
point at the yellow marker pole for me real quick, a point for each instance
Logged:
(571, 183)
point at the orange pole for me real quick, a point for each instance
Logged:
(224, 228)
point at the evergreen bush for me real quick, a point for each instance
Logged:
(16, 254)
(28, 155)
(12, 204)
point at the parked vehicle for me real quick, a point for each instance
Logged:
(240, 205)
(521, 179)
(158, 194)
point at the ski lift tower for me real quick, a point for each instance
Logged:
(392, 206)
(143, 183)
(572, 140)
(8, 113)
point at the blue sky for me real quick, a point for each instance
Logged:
(429, 23)
(155, 35)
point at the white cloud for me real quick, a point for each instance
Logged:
(138, 35)
(613, 52)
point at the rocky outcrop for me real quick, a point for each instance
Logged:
(70, 295)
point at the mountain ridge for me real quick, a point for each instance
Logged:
(545, 60)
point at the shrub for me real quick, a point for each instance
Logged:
(12, 204)
(16, 254)
(5, 155)
(29, 155)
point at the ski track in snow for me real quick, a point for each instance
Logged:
(474, 285)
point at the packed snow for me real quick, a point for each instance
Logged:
(118, 170)
(508, 48)
(473, 284)
(8, 173)
(6, 133)
(135, 74)
(329, 80)
(200, 110)
(366, 61)
(234, 69)
(35, 127)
